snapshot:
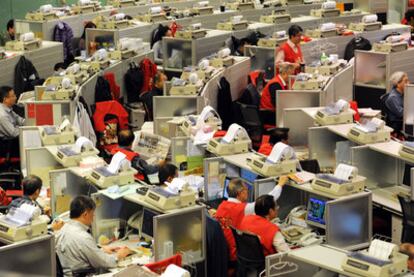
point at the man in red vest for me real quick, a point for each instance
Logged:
(276, 135)
(290, 51)
(232, 211)
(260, 224)
(279, 82)
(125, 140)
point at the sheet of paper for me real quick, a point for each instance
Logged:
(202, 138)
(176, 185)
(381, 249)
(64, 124)
(59, 183)
(204, 115)
(231, 133)
(80, 142)
(116, 162)
(345, 172)
(31, 139)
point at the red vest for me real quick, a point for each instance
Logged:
(130, 155)
(263, 228)
(291, 56)
(266, 100)
(230, 214)
(265, 149)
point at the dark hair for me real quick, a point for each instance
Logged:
(157, 77)
(89, 25)
(59, 66)
(31, 184)
(408, 15)
(243, 41)
(10, 24)
(81, 204)
(4, 92)
(294, 30)
(278, 134)
(158, 34)
(125, 138)
(263, 205)
(128, 17)
(166, 171)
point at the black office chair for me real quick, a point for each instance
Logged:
(249, 118)
(250, 257)
(407, 207)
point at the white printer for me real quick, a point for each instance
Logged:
(372, 131)
(235, 141)
(336, 113)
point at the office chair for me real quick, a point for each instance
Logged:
(9, 154)
(250, 257)
(249, 118)
(407, 207)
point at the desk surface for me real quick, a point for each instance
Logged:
(239, 160)
(387, 197)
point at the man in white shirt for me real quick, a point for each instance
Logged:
(77, 249)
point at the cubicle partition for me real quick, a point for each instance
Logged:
(185, 155)
(40, 166)
(408, 118)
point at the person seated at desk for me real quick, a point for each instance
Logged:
(125, 140)
(157, 90)
(76, 247)
(156, 41)
(276, 135)
(166, 173)
(394, 102)
(260, 224)
(10, 33)
(232, 211)
(408, 249)
(9, 121)
(82, 40)
(239, 50)
(290, 51)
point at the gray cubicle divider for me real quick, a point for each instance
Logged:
(182, 148)
(171, 230)
(408, 117)
(295, 99)
(260, 56)
(29, 137)
(264, 186)
(343, 87)
(214, 173)
(64, 186)
(298, 123)
(34, 257)
(39, 161)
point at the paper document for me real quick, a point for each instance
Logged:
(116, 162)
(176, 185)
(23, 214)
(64, 124)
(82, 141)
(204, 115)
(231, 133)
(345, 172)
(280, 152)
(202, 138)
(381, 249)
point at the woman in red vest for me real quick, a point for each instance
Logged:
(232, 211)
(260, 224)
(290, 51)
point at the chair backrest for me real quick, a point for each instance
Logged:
(249, 248)
(407, 207)
(59, 269)
(250, 115)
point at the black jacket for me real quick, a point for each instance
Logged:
(25, 76)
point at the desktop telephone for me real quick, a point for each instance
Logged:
(297, 216)
(310, 239)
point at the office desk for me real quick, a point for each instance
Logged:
(239, 160)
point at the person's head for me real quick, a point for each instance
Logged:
(265, 206)
(7, 96)
(88, 25)
(82, 208)
(243, 42)
(125, 138)
(160, 32)
(10, 27)
(59, 67)
(295, 33)
(279, 135)
(32, 185)
(408, 249)
(409, 15)
(285, 70)
(159, 80)
(237, 189)
(167, 173)
(399, 80)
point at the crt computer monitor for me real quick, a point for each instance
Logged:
(147, 228)
(316, 211)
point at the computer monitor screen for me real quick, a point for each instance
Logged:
(349, 222)
(316, 212)
(248, 175)
(225, 192)
(147, 228)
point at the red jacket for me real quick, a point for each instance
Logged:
(230, 214)
(265, 149)
(263, 228)
(291, 56)
(266, 102)
(106, 108)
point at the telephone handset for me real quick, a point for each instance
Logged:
(310, 239)
(296, 214)
(135, 220)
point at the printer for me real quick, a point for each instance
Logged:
(240, 5)
(154, 15)
(26, 42)
(52, 135)
(118, 172)
(235, 141)
(407, 150)
(86, 6)
(278, 17)
(326, 67)
(372, 131)
(57, 88)
(117, 21)
(307, 81)
(382, 259)
(193, 31)
(328, 9)
(277, 39)
(71, 155)
(391, 44)
(202, 8)
(368, 23)
(282, 160)
(222, 59)
(325, 30)
(166, 200)
(344, 181)
(75, 72)
(336, 113)
(24, 222)
(45, 12)
(186, 87)
(236, 23)
(121, 3)
(128, 47)
(100, 59)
